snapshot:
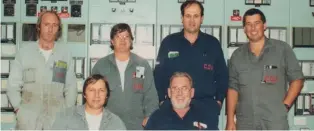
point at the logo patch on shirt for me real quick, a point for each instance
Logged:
(137, 86)
(199, 125)
(173, 54)
(208, 67)
(270, 79)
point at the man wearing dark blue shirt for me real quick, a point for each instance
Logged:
(198, 54)
(181, 114)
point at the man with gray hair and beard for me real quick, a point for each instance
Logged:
(182, 114)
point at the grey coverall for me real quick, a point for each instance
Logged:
(39, 89)
(262, 84)
(139, 98)
(74, 118)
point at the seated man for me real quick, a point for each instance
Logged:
(92, 115)
(181, 114)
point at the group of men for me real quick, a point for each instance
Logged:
(184, 92)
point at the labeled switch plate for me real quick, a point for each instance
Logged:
(8, 10)
(31, 10)
(54, 8)
(43, 8)
(76, 10)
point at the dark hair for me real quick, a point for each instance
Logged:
(251, 12)
(39, 20)
(118, 28)
(190, 2)
(93, 79)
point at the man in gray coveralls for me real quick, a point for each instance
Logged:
(258, 75)
(42, 80)
(132, 87)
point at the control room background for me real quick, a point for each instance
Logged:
(86, 33)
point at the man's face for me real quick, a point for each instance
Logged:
(254, 28)
(180, 92)
(122, 42)
(96, 95)
(49, 27)
(192, 18)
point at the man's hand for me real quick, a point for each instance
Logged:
(287, 107)
(145, 121)
(231, 125)
(219, 103)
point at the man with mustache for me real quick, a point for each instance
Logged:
(181, 114)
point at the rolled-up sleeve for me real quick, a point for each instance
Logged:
(293, 69)
(233, 75)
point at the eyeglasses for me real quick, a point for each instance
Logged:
(183, 89)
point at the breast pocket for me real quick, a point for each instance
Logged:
(271, 74)
(59, 72)
(138, 85)
(244, 77)
(29, 75)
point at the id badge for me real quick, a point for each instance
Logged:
(140, 72)
(59, 72)
(270, 75)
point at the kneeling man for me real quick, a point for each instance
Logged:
(92, 115)
(182, 113)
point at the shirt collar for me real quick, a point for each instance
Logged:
(267, 45)
(55, 47)
(105, 114)
(200, 34)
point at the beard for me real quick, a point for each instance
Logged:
(182, 105)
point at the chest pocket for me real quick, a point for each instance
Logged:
(29, 75)
(138, 85)
(270, 74)
(59, 71)
(244, 77)
(176, 63)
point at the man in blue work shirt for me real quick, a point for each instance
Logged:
(182, 114)
(259, 74)
(196, 53)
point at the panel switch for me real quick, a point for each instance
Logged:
(31, 10)
(75, 10)
(8, 10)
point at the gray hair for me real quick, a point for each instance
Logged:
(182, 74)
